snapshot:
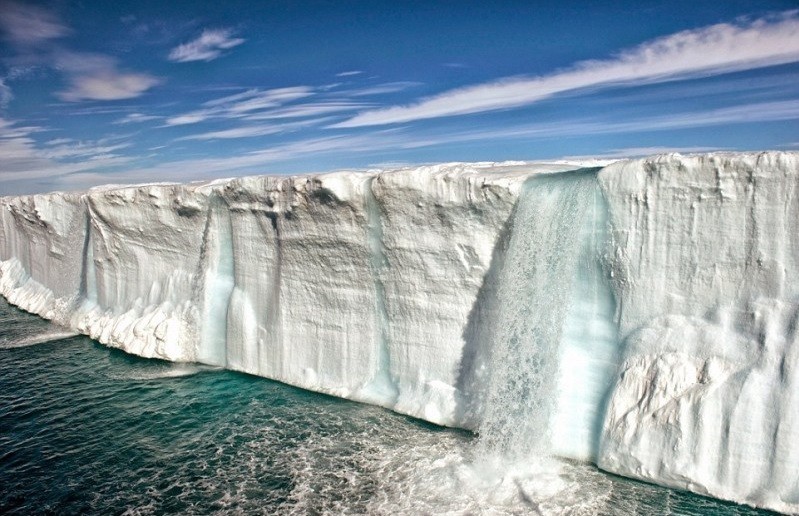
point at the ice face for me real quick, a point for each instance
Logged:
(642, 316)
(704, 253)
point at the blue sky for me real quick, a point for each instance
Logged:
(98, 92)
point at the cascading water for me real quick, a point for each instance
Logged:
(534, 291)
(217, 271)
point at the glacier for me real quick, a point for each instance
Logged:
(641, 314)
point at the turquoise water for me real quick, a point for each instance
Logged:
(91, 430)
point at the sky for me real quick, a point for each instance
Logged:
(97, 92)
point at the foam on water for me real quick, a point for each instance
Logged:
(167, 370)
(18, 329)
(42, 338)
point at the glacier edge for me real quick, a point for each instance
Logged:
(677, 360)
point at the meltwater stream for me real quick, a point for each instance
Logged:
(90, 430)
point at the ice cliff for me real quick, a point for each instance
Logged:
(643, 315)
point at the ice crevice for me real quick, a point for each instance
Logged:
(641, 315)
(217, 273)
(382, 388)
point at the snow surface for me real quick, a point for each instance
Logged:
(641, 315)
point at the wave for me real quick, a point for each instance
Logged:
(167, 371)
(41, 338)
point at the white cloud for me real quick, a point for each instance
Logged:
(706, 51)
(28, 25)
(97, 77)
(189, 118)
(24, 160)
(252, 130)
(109, 85)
(380, 89)
(349, 74)
(135, 118)
(11, 130)
(747, 113)
(80, 150)
(272, 97)
(237, 132)
(207, 47)
(241, 105)
(39, 162)
(59, 141)
(307, 110)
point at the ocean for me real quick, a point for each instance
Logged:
(85, 429)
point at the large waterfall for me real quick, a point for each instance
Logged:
(534, 295)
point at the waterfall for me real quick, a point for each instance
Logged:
(217, 272)
(534, 293)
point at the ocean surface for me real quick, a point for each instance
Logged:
(85, 429)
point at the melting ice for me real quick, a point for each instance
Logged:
(647, 323)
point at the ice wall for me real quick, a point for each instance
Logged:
(705, 258)
(376, 286)
(641, 316)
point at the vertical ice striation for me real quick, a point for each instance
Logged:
(88, 278)
(217, 273)
(535, 290)
(382, 387)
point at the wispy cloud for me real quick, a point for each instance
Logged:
(237, 132)
(193, 169)
(349, 73)
(277, 106)
(31, 31)
(378, 142)
(716, 49)
(98, 77)
(68, 149)
(741, 114)
(28, 25)
(250, 131)
(207, 47)
(381, 89)
(24, 160)
(241, 105)
(269, 98)
(136, 118)
(281, 103)
(308, 110)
